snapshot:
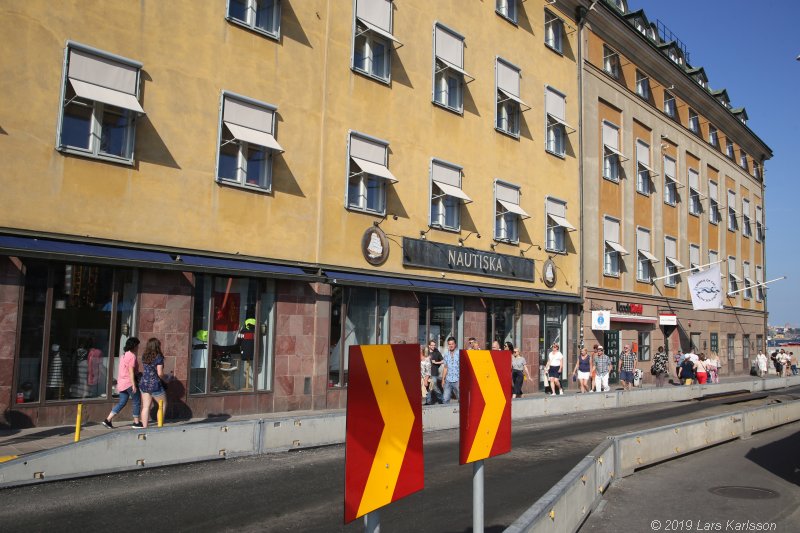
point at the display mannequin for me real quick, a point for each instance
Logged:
(55, 374)
(246, 338)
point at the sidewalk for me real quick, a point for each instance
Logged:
(18, 442)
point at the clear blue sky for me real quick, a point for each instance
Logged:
(749, 48)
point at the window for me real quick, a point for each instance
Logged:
(446, 195)
(644, 346)
(670, 183)
(671, 263)
(359, 315)
(246, 142)
(694, 121)
(746, 228)
(557, 225)
(503, 321)
(509, 104)
(643, 169)
(260, 15)
(713, 342)
(759, 224)
(100, 104)
(234, 330)
(611, 62)
(731, 346)
(368, 172)
(553, 31)
(748, 281)
(642, 85)
(733, 222)
(440, 317)
(507, 9)
(759, 281)
(449, 75)
(743, 160)
(373, 39)
(69, 313)
(611, 154)
(713, 257)
(729, 148)
(759, 343)
(557, 127)
(613, 248)
(694, 257)
(669, 103)
(713, 203)
(713, 136)
(695, 207)
(645, 259)
(756, 170)
(733, 279)
(507, 212)
(746, 348)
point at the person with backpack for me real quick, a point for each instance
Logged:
(686, 372)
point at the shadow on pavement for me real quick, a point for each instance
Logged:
(780, 458)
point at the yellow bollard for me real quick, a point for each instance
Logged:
(160, 413)
(78, 423)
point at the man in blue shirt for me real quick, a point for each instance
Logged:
(450, 373)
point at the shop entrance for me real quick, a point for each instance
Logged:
(611, 347)
(553, 319)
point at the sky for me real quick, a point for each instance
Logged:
(750, 49)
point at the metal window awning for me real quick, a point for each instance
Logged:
(514, 208)
(617, 247)
(249, 135)
(451, 66)
(615, 152)
(90, 91)
(512, 96)
(560, 121)
(561, 221)
(380, 31)
(650, 257)
(648, 168)
(452, 190)
(736, 278)
(696, 191)
(675, 262)
(374, 168)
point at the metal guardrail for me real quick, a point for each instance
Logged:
(570, 501)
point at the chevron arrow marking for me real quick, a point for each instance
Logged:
(489, 384)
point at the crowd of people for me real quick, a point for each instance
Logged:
(440, 372)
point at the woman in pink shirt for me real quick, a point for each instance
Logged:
(126, 384)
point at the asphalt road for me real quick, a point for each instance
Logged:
(303, 490)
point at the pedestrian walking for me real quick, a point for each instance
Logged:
(678, 360)
(126, 384)
(450, 376)
(519, 371)
(583, 370)
(555, 360)
(435, 389)
(152, 382)
(425, 372)
(601, 365)
(701, 370)
(659, 368)
(686, 371)
(761, 361)
(793, 363)
(626, 367)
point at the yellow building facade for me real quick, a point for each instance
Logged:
(260, 185)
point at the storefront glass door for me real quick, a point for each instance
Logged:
(611, 347)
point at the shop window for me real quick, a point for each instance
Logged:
(100, 105)
(439, 318)
(503, 322)
(553, 31)
(368, 172)
(509, 102)
(449, 76)
(247, 142)
(373, 39)
(70, 344)
(644, 346)
(263, 16)
(358, 316)
(554, 318)
(446, 195)
(231, 337)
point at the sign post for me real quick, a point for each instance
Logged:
(485, 416)
(383, 439)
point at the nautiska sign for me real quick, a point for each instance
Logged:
(423, 253)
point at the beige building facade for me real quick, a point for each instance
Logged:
(261, 185)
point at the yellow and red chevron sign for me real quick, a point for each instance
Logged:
(485, 404)
(383, 442)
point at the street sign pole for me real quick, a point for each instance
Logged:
(372, 522)
(477, 497)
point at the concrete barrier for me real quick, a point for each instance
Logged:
(567, 505)
(130, 450)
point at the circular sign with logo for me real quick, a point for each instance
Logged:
(375, 246)
(549, 273)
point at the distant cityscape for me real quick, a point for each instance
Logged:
(786, 334)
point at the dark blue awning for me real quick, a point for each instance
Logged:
(366, 279)
(77, 251)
